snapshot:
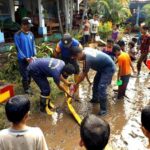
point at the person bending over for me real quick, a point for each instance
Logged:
(41, 69)
(20, 136)
(105, 68)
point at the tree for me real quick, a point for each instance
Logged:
(59, 17)
(115, 11)
(68, 11)
(146, 11)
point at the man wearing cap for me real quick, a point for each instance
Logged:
(63, 48)
(104, 67)
(25, 45)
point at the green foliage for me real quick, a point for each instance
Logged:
(77, 35)
(105, 29)
(112, 10)
(44, 50)
(3, 120)
(146, 11)
(10, 70)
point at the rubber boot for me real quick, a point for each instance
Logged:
(26, 87)
(46, 105)
(103, 107)
(42, 103)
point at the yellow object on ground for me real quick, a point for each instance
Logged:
(48, 111)
(6, 92)
(72, 110)
(49, 105)
(4, 96)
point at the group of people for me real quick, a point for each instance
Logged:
(94, 131)
(90, 29)
(64, 63)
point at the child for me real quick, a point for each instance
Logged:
(94, 27)
(132, 51)
(124, 73)
(144, 48)
(108, 48)
(94, 133)
(20, 136)
(145, 120)
(122, 45)
(86, 30)
(115, 33)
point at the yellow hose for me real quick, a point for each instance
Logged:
(72, 110)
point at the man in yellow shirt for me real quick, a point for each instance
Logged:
(124, 73)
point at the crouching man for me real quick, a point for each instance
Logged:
(105, 68)
(42, 68)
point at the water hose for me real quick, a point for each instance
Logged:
(72, 110)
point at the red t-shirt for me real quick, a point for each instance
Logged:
(145, 43)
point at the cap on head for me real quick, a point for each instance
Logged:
(27, 21)
(67, 40)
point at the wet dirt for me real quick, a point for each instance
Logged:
(62, 131)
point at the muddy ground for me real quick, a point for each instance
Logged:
(62, 131)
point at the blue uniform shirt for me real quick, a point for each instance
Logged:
(98, 61)
(25, 44)
(48, 67)
(65, 52)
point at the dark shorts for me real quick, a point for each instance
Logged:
(93, 35)
(86, 39)
(73, 62)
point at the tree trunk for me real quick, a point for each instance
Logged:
(71, 15)
(59, 18)
(85, 11)
(68, 9)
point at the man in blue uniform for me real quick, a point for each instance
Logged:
(105, 68)
(24, 41)
(63, 48)
(42, 68)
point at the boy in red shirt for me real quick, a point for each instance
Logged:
(144, 47)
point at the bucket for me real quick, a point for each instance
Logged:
(119, 82)
(148, 63)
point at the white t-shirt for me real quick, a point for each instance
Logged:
(31, 138)
(94, 25)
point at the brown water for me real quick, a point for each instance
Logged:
(62, 131)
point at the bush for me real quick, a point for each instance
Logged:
(105, 29)
(10, 70)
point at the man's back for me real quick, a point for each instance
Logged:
(30, 138)
(98, 60)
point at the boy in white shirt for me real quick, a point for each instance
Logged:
(94, 27)
(20, 136)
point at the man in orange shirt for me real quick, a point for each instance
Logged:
(124, 73)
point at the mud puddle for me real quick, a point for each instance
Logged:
(62, 131)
